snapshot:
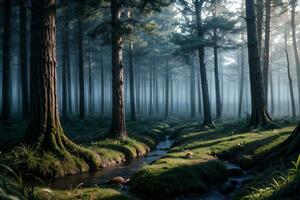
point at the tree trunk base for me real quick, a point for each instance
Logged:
(60, 145)
(261, 120)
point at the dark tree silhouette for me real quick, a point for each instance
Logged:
(6, 109)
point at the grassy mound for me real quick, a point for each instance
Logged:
(172, 179)
(178, 173)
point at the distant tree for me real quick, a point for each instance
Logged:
(6, 98)
(266, 51)
(23, 57)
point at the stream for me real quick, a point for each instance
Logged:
(237, 178)
(126, 169)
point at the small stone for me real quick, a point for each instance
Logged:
(118, 180)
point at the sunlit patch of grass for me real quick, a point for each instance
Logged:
(229, 141)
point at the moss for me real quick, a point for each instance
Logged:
(175, 178)
(87, 194)
(176, 173)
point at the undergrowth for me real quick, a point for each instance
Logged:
(284, 186)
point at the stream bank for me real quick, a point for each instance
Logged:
(101, 176)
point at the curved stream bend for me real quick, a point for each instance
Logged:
(91, 179)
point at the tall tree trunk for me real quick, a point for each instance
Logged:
(64, 74)
(131, 82)
(156, 90)
(242, 81)
(289, 75)
(272, 92)
(297, 60)
(201, 52)
(266, 54)
(102, 82)
(216, 68)
(91, 89)
(192, 88)
(259, 21)
(44, 130)
(81, 71)
(167, 87)
(199, 94)
(118, 126)
(23, 57)
(259, 113)
(68, 62)
(6, 84)
(151, 91)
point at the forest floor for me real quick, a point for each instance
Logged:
(193, 164)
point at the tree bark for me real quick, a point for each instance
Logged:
(259, 113)
(266, 54)
(44, 130)
(118, 126)
(201, 53)
(259, 22)
(131, 81)
(6, 83)
(289, 75)
(296, 54)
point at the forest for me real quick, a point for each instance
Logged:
(149, 99)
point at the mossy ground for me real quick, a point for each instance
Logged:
(175, 173)
(91, 135)
(81, 194)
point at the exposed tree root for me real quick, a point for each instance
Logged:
(60, 145)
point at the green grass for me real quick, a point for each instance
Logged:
(175, 173)
(90, 134)
(279, 186)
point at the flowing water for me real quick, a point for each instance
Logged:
(101, 176)
(128, 168)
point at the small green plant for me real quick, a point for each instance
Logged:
(12, 186)
(279, 185)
